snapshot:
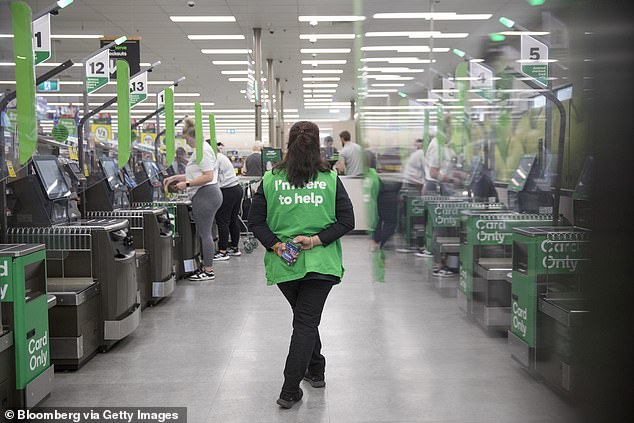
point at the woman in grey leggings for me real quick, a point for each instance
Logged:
(201, 182)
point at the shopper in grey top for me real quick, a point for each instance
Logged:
(227, 218)
(350, 158)
(253, 163)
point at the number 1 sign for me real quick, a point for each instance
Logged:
(97, 71)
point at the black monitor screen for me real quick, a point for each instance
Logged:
(128, 177)
(75, 168)
(52, 177)
(519, 178)
(474, 171)
(153, 172)
(111, 170)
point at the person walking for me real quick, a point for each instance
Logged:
(301, 200)
(201, 183)
(227, 215)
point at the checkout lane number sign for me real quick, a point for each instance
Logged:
(42, 38)
(534, 59)
(138, 89)
(97, 71)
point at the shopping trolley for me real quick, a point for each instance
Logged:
(249, 187)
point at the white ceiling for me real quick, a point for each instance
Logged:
(167, 41)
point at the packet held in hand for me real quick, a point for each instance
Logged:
(290, 254)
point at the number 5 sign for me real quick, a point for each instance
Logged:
(138, 89)
(97, 71)
(534, 59)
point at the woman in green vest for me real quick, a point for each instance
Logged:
(301, 200)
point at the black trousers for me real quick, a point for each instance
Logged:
(307, 298)
(387, 203)
(227, 217)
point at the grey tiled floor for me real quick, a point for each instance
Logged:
(396, 352)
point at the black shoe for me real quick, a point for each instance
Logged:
(287, 400)
(315, 381)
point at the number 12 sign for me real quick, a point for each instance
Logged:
(534, 59)
(97, 71)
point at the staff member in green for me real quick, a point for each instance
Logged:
(302, 200)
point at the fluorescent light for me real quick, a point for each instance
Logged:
(324, 62)
(437, 16)
(230, 62)
(322, 71)
(235, 72)
(397, 60)
(376, 95)
(321, 79)
(418, 34)
(387, 90)
(388, 85)
(524, 32)
(476, 60)
(390, 77)
(324, 91)
(391, 69)
(327, 36)
(406, 49)
(325, 50)
(321, 85)
(331, 18)
(208, 37)
(225, 51)
(203, 18)
(76, 36)
(317, 95)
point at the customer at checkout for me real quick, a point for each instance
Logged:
(253, 162)
(227, 215)
(414, 170)
(303, 201)
(201, 183)
(438, 164)
(351, 157)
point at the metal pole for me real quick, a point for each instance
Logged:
(270, 82)
(282, 119)
(278, 117)
(257, 51)
(352, 109)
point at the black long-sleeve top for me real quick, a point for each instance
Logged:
(344, 214)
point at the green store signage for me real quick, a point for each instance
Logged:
(97, 71)
(42, 38)
(6, 293)
(138, 89)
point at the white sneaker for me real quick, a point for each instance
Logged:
(424, 254)
(234, 252)
(221, 256)
(202, 275)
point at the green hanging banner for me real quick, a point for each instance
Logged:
(123, 109)
(169, 126)
(426, 130)
(24, 79)
(199, 132)
(212, 133)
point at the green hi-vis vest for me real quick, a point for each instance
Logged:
(301, 211)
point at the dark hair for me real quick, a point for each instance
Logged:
(345, 135)
(371, 159)
(303, 161)
(328, 139)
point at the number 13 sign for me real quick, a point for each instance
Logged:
(534, 59)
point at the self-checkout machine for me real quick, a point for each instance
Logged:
(107, 197)
(97, 302)
(146, 189)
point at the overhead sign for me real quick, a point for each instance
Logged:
(97, 71)
(42, 38)
(160, 99)
(52, 85)
(130, 51)
(481, 80)
(70, 125)
(138, 89)
(102, 132)
(534, 59)
(448, 89)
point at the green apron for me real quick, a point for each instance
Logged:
(301, 211)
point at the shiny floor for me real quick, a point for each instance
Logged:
(396, 351)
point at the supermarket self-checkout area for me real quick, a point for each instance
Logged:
(89, 239)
